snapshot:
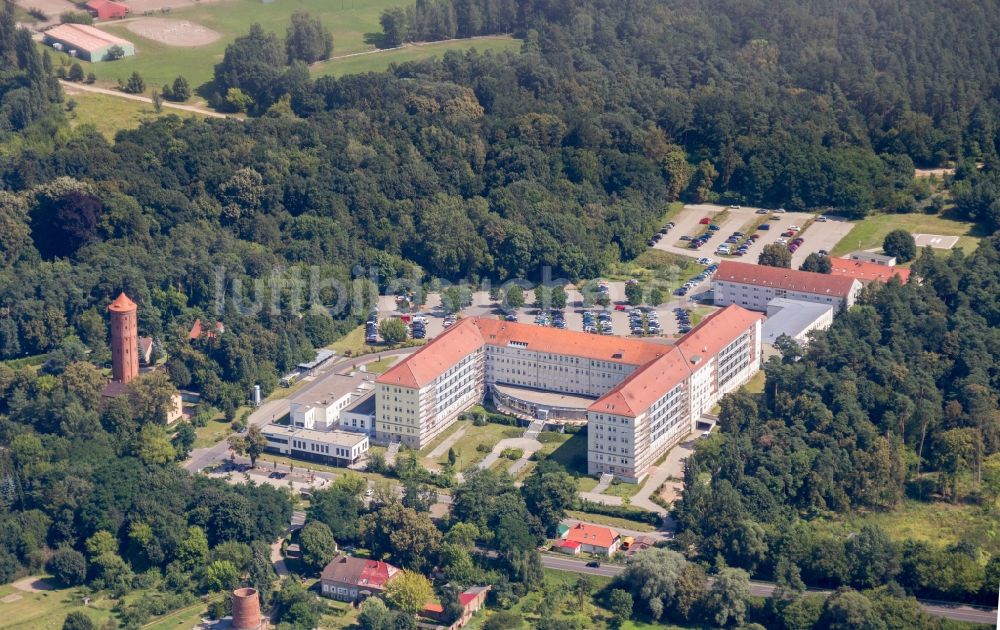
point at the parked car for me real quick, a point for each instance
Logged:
(821, 219)
(780, 211)
(685, 238)
(761, 211)
(705, 221)
(764, 226)
(734, 207)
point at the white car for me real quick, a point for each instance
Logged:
(734, 207)
(780, 211)
(781, 241)
(369, 492)
(821, 219)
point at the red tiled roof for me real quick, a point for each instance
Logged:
(430, 361)
(569, 544)
(716, 331)
(122, 304)
(197, 329)
(781, 278)
(595, 535)
(647, 385)
(472, 333)
(866, 271)
(359, 572)
(571, 342)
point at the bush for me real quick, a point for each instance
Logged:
(512, 454)
(619, 511)
(68, 566)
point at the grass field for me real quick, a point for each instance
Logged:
(212, 433)
(938, 524)
(610, 521)
(379, 61)
(48, 609)
(354, 24)
(870, 232)
(109, 114)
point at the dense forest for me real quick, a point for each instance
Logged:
(564, 155)
(898, 398)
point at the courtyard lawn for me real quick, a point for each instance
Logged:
(756, 383)
(870, 232)
(477, 443)
(622, 489)
(572, 454)
(379, 61)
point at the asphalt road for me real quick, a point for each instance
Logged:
(272, 409)
(958, 612)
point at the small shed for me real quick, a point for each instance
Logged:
(106, 9)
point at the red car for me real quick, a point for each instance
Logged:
(619, 307)
(705, 221)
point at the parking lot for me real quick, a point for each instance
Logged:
(818, 235)
(573, 314)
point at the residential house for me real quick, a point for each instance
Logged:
(350, 579)
(587, 538)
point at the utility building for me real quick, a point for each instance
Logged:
(87, 42)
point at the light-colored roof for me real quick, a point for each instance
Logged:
(122, 304)
(322, 355)
(594, 535)
(346, 439)
(867, 271)
(85, 37)
(781, 278)
(790, 317)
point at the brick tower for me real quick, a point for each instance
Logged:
(246, 610)
(124, 339)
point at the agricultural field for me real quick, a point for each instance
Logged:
(190, 40)
(870, 232)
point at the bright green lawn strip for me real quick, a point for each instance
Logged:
(380, 61)
(610, 521)
(870, 232)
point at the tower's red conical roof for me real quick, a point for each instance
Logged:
(122, 304)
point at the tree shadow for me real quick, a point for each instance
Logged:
(375, 39)
(206, 90)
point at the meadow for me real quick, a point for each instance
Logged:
(870, 232)
(354, 24)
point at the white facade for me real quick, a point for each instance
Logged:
(627, 447)
(338, 447)
(755, 298)
(414, 417)
(515, 365)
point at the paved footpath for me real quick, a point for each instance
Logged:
(527, 445)
(71, 87)
(448, 442)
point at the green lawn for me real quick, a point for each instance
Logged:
(380, 61)
(610, 521)
(354, 24)
(622, 489)
(939, 524)
(48, 609)
(109, 114)
(455, 426)
(212, 433)
(467, 451)
(572, 454)
(380, 366)
(756, 383)
(870, 232)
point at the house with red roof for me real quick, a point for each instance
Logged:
(753, 286)
(197, 330)
(350, 579)
(471, 600)
(587, 538)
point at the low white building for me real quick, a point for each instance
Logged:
(339, 448)
(321, 405)
(871, 257)
(795, 319)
